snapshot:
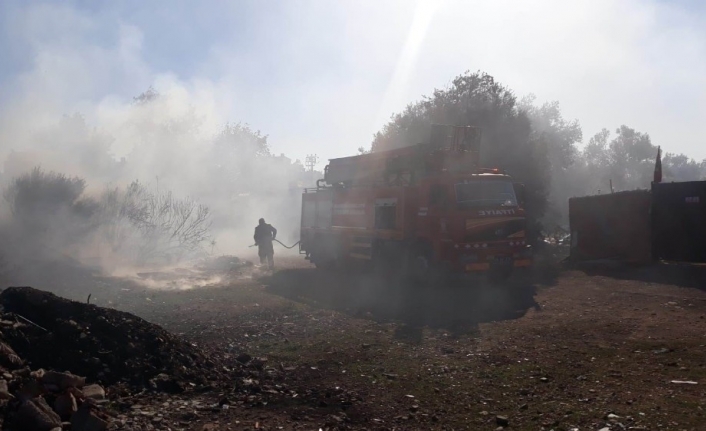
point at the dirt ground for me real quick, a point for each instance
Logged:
(577, 349)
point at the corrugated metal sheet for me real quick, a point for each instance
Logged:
(679, 221)
(611, 226)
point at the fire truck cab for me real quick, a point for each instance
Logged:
(416, 209)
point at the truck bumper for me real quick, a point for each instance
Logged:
(486, 266)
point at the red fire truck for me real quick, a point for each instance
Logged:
(418, 209)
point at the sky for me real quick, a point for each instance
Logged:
(321, 77)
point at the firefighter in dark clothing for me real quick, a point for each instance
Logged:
(264, 235)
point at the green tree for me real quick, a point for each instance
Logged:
(628, 160)
(236, 153)
(679, 167)
(632, 158)
(560, 137)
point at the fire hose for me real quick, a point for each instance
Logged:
(283, 245)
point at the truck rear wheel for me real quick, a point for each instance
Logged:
(499, 274)
(325, 254)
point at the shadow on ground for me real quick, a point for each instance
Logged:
(458, 308)
(674, 273)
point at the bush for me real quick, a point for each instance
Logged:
(36, 195)
(134, 225)
(153, 224)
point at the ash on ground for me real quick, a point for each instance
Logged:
(205, 272)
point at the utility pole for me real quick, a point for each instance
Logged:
(311, 161)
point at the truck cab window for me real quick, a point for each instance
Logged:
(485, 194)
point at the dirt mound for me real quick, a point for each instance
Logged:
(102, 344)
(119, 354)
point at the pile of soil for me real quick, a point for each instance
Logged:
(121, 355)
(101, 344)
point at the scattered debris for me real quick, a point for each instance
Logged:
(685, 382)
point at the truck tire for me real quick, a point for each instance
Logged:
(499, 275)
(325, 255)
(417, 268)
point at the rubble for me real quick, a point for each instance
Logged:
(36, 415)
(94, 392)
(107, 345)
(87, 420)
(64, 362)
(43, 330)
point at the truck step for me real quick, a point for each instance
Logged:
(361, 245)
(360, 256)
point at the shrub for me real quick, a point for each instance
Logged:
(39, 194)
(153, 224)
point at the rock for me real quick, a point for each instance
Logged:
(65, 405)
(503, 421)
(62, 381)
(36, 415)
(544, 380)
(258, 363)
(612, 416)
(4, 392)
(37, 374)
(243, 358)
(165, 383)
(94, 392)
(8, 357)
(30, 390)
(86, 420)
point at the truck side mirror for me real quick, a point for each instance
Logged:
(520, 193)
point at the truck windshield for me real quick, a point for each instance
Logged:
(485, 193)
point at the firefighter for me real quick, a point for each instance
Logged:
(264, 235)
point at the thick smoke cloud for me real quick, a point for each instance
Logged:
(81, 107)
(67, 103)
(170, 144)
